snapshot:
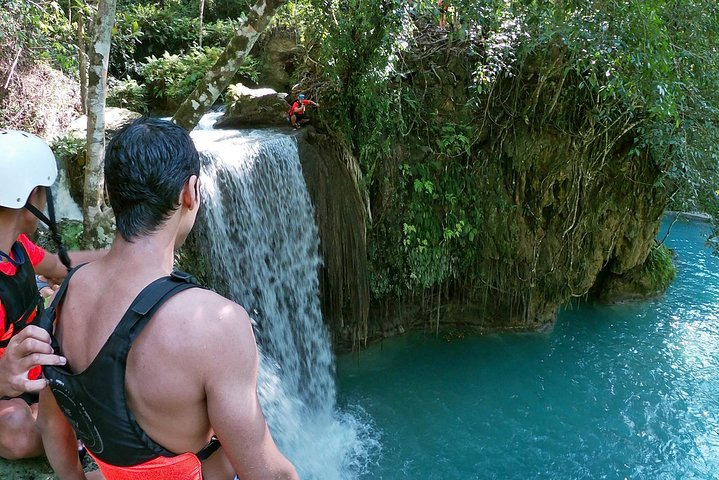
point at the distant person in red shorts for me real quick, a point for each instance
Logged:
(297, 113)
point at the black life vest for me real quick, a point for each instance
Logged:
(94, 400)
(19, 294)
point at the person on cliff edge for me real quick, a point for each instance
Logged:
(297, 113)
(27, 170)
(163, 385)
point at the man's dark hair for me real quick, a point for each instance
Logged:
(147, 162)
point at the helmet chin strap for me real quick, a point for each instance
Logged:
(50, 222)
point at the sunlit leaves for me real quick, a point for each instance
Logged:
(41, 29)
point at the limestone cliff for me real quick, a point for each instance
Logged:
(491, 210)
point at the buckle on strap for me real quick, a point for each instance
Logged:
(183, 276)
(209, 449)
(155, 291)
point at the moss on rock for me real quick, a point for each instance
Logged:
(647, 280)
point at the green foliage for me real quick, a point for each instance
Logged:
(213, 9)
(620, 78)
(656, 62)
(68, 147)
(71, 232)
(148, 30)
(442, 219)
(226, 9)
(70, 151)
(41, 29)
(660, 268)
(171, 78)
(220, 32)
(359, 46)
(128, 94)
(455, 140)
(126, 37)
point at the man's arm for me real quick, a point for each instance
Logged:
(28, 348)
(59, 439)
(232, 404)
(52, 268)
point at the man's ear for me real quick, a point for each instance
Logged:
(191, 193)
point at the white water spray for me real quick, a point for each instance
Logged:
(263, 247)
(65, 206)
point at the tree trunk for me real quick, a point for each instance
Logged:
(82, 53)
(222, 73)
(95, 223)
(202, 18)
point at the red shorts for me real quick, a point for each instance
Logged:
(186, 466)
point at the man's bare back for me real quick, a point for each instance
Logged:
(164, 384)
(191, 373)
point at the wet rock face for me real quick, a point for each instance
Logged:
(340, 217)
(280, 55)
(254, 107)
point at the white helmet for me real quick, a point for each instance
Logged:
(26, 162)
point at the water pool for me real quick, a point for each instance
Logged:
(627, 391)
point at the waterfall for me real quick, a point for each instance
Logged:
(261, 242)
(65, 206)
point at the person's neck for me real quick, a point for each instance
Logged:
(9, 231)
(150, 254)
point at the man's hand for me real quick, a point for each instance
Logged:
(28, 348)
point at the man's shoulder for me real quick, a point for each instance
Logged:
(205, 303)
(199, 316)
(203, 298)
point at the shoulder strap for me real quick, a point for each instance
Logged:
(47, 319)
(144, 305)
(150, 299)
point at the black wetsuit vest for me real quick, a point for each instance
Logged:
(94, 400)
(19, 294)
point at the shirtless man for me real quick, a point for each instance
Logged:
(191, 373)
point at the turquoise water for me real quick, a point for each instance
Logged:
(628, 391)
